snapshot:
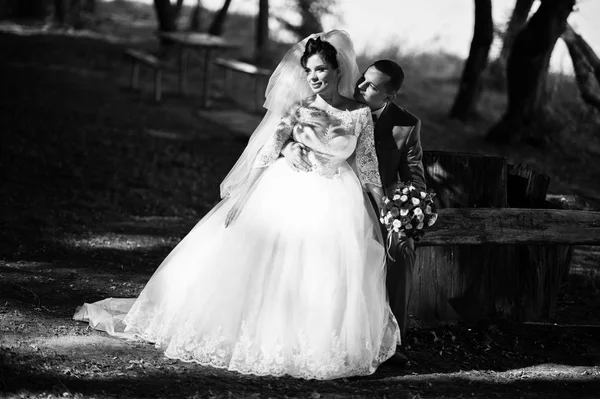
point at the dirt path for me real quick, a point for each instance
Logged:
(47, 354)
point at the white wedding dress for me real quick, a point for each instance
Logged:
(295, 286)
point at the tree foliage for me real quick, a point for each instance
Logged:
(311, 13)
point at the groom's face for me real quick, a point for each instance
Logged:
(370, 88)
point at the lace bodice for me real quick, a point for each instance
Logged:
(334, 137)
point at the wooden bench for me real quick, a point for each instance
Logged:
(258, 74)
(138, 58)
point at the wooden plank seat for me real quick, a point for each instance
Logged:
(138, 58)
(258, 74)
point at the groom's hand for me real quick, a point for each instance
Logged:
(296, 155)
(406, 249)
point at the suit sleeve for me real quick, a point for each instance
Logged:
(414, 171)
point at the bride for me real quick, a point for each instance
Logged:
(285, 276)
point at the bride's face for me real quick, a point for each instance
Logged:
(321, 76)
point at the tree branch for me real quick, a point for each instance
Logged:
(288, 26)
(586, 66)
(585, 48)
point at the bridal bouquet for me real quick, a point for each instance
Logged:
(406, 212)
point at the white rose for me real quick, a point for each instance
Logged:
(423, 194)
(420, 217)
(386, 200)
(404, 198)
(411, 188)
(418, 211)
(403, 212)
(432, 220)
(428, 209)
(397, 223)
(396, 197)
(420, 226)
(381, 220)
(405, 191)
(416, 201)
(386, 219)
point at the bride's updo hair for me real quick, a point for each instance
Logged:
(322, 48)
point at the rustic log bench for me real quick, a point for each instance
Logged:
(142, 58)
(499, 249)
(256, 73)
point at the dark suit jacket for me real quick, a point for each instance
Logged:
(398, 145)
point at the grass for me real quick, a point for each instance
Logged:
(99, 184)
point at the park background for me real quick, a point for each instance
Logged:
(99, 184)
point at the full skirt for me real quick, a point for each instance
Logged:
(295, 286)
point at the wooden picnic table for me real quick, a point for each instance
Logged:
(193, 41)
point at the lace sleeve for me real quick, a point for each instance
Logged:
(365, 159)
(272, 148)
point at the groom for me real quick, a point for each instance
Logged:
(399, 152)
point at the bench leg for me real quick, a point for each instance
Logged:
(157, 85)
(135, 75)
(183, 56)
(255, 101)
(206, 79)
(226, 82)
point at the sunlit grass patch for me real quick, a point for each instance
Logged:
(119, 241)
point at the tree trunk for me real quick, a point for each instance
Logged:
(195, 22)
(517, 21)
(470, 85)
(35, 9)
(89, 6)
(74, 13)
(311, 22)
(589, 54)
(177, 10)
(585, 63)
(68, 13)
(60, 12)
(527, 69)
(262, 31)
(310, 18)
(165, 15)
(216, 26)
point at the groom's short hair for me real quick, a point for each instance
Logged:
(394, 71)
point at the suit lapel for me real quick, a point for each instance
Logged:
(383, 128)
(389, 132)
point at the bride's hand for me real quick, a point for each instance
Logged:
(232, 214)
(296, 155)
